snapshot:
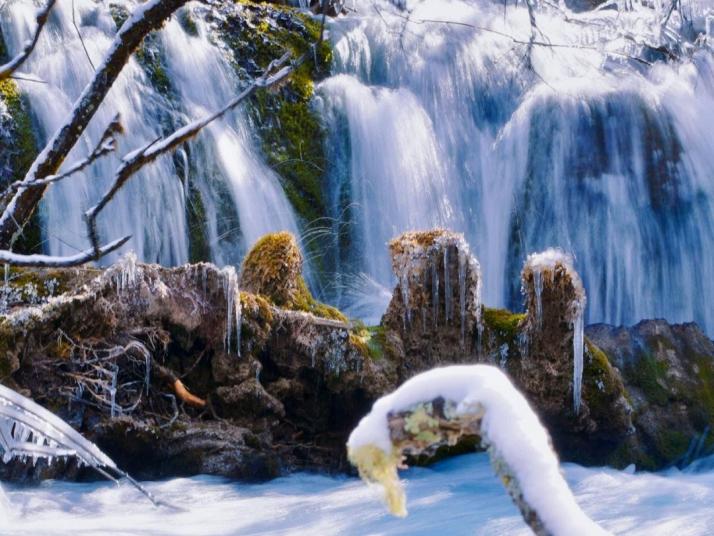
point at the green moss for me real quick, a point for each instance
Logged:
(199, 248)
(649, 375)
(272, 268)
(304, 301)
(671, 444)
(289, 130)
(370, 341)
(502, 322)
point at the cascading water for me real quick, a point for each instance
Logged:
(597, 153)
(241, 196)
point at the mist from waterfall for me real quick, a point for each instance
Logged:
(241, 197)
(601, 155)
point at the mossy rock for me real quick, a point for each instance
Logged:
(273, 269)
(370, 341)
(503, 323)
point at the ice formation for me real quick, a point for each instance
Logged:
(30, 432)
(234, 309)
(543, 266)
(518, 444)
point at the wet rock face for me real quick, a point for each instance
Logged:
(668, 372)
(436, 307)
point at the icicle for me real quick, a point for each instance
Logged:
(503, 352)
(404, 288)
(538, 287)
(113, 393)
(447, 287)
(578, 337)
(126, 272)
(233, 307)
(435, 292)
(462, 293)
(7, 274)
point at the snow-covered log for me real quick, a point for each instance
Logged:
(439, 406)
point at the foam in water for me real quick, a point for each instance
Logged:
(457, 496)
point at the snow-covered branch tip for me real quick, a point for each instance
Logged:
(276, 72)
(107, 144)
(15, 63)
(437, 408)
(48, 261)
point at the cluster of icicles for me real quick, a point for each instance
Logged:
(543, 265)
(127, 272)
(467, 264)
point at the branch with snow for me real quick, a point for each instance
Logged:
(147, 17)
(48, 261)
(106, 145)
(276, 72)
(440, 406)
(15, 63)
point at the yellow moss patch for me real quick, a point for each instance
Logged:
(376, 466)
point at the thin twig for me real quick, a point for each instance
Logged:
(16, 62)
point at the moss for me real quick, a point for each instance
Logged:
(600, 385)
(187, 22)
(199, 248)
(272, 268)
(304, 301)
(649, 375)
(370, 341)
(503, 322)
(289, 130)
(671, 444)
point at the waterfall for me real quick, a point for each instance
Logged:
(444, 124)
(240, 196)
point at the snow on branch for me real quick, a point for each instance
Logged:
(146, 17)
(107, 144)
(15, 63)
(48, 261)
(276, 72)
(440, 406)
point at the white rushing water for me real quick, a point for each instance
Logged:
(610, 159)
(241, 195)
(457, 497)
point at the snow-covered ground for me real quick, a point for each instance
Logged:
(459, 496)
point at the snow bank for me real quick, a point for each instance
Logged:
(509, 428)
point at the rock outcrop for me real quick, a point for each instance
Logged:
(179, 371)
(262, 389)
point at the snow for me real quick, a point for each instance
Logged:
(543, 265)
(509, 426)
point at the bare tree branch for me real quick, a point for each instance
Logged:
(47, 261)
(146, 17)
(106, 145)
(137, 159)
(16, 62)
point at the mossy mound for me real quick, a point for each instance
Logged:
(273, 269)
(503, 323)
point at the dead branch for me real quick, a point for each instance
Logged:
(107, 144)
(276, 72)
(179, 388)
(146, 18)
(15, 63)
(48, 261)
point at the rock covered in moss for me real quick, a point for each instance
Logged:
(668, 371)
(273, 268)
